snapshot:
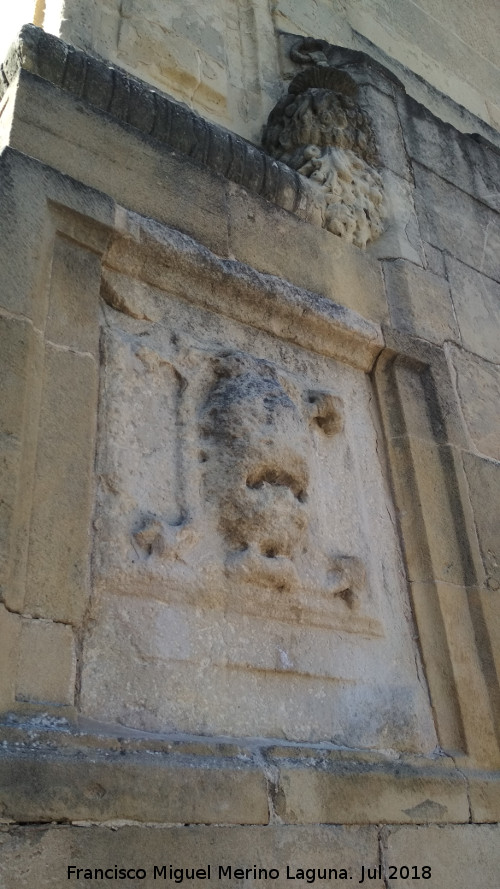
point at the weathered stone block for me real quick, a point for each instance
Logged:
(476, 299)
(382, 111)
(420, 302)
(275, 242)
(459, 856)
(437, 662)
(345, 793)
(16, 338)
(471, 166)
(401, 238)
(137, 787)
(25, 237)
(487, 605)
(47, 663)
(21, 353)
(478, 388)
(184, 55)
(467, 643)
(417, 391)
(451, 220)
(445, 548)
(177, 265)
(131, 169)
(73, 316)
(484, 794)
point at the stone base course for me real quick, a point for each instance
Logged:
(50, 772)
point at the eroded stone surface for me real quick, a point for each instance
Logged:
(47, 663)
(238, 489)
(454, 222)
(319, 130)
(338, 793)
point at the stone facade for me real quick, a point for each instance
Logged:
(250, 611)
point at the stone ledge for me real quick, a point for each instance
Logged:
(356, 791)
(178, 264)
(132, 102)
(57, 775)
(173, 262)
(53, 771)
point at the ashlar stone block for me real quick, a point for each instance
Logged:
(21, 351)
(478, 388)
(472, 166)
(138, 787)
(483, 477)
(57, 576)
(452, 221)
(343, 793)
(476, 299)
(420, 302)
(273, 241)
(10, 630)
(72, 319)
(484, 796)
(459, 856)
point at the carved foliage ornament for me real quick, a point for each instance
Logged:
(318, 129)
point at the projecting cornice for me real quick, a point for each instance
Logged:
(133, 102)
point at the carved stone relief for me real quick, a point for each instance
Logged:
(251, 446)
(257, 453)
(318, 129)
(237, 492)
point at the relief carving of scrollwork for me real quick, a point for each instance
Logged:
(319, 130)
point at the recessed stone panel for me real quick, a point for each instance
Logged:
(238, 589)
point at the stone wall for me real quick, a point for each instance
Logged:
(249, 550)
(223, 59)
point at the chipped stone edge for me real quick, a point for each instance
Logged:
(236, 290)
